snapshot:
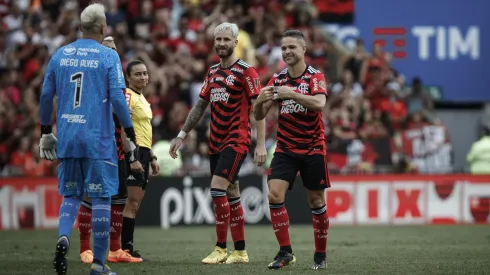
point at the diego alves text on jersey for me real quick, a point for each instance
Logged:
(81, 75)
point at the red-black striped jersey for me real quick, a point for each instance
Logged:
(119, 144)
(230, 92)
(300, 131)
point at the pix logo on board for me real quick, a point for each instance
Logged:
(396, 36)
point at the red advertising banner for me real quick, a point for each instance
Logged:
(356, 200)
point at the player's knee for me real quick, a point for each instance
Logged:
(219, 183)
(316, 199)
(233, 191)
(132, 203)
(275, 196)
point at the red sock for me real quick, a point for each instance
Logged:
(237, 221)
(116, 226)
(280, 223)
(222, 214)
(85, 226)
(320, 228)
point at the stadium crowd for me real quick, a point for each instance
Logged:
(368, 117)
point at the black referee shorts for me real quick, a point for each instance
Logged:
(140, 179)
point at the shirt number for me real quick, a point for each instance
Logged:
(77, 78)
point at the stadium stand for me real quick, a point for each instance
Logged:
(374, 123)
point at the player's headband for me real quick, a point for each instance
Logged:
(109, 39)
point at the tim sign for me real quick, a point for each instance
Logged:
(440, 41)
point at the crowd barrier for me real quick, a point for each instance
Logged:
(353, 200)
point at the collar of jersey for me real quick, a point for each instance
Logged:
(134, 91)
(293, 78)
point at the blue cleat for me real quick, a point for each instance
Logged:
(97, 269)
(60, 263)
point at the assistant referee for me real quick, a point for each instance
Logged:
(141, 115)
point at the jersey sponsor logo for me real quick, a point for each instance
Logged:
(120, 74)
(71, 118)
(257, 82)
(315, 84)
(230, 80)
(290, 106)
(128, 98)
(322, 85)
(90, 50)
(279, 81)
(250, 84)
(70, 50)
(235, 69)
(95, 187)
(204, 84)
(219, 94)
(217, 79)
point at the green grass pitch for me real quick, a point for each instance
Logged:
(351, 250)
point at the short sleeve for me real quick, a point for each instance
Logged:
(252, 83)
(271, 81)
(128, 97)
(116, 76)
(204, 94)
(319, 84)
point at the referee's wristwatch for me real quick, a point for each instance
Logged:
(154, 158)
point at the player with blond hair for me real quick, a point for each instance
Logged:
(230, 87)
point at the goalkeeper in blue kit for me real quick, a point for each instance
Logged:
(87, 80)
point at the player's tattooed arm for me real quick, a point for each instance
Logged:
(195, 115)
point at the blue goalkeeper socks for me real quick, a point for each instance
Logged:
(68, 214)
(101, 227)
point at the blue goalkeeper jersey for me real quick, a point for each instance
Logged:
(85, 77)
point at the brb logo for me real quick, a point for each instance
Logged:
(445, 43)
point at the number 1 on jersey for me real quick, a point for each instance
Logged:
(78, 79)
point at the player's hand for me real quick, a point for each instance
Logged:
(131, 111)
(174, 147)
(155, 168)
(260, 155)
(136, 167)
(285, 92)
(47, 147)
(266, 94)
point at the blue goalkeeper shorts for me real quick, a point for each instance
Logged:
(98, 178)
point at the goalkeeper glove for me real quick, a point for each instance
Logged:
(133, 147)
(47, 147)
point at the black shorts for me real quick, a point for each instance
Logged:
(313, 170)
(122, 192)
(227, 164)
(140, 179)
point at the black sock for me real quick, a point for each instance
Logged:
(286, 248)
(221, 245)
(127, 233)
(319, 256)
(240, 245)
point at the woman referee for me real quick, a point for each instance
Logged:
(141, 115)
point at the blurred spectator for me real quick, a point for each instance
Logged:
(418, 99)
(479, 155)
(365, 116)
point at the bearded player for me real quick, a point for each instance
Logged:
(231, 87)
(116, 254)
(300, 91)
